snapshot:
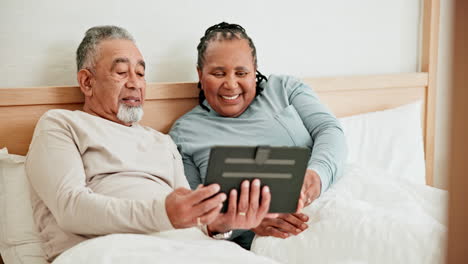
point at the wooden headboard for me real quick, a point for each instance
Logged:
(20, 108)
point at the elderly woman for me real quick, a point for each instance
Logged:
(240, 106)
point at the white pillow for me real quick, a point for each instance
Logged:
(19, 239)
(390, 140)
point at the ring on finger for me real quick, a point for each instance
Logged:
(199, 223)
(241, 213)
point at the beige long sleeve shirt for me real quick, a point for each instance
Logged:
(91, 176)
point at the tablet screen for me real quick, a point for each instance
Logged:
(282, 169)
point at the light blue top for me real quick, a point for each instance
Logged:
(287, 113)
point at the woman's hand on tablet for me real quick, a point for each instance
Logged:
(311, 189)
(282, 226)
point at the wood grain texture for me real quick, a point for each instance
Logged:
(401, 80)
(457, 246)
(154, 91)
(166, 102)
(72, 94)
(429, 58)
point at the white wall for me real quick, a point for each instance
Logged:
(305, 38)
(301, 37)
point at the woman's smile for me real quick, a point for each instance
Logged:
(234, 99)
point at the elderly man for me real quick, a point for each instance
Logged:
(97, 172)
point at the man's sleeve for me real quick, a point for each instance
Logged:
(56, 172)
(329, 144)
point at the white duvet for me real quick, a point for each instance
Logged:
(176, 246)
(366, 217)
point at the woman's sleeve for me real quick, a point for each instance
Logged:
(191, 172)
(329, 144)
(179, 174)
(57, 175)
(190, 169)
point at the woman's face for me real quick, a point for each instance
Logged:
(228, 76)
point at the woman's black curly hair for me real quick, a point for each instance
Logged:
(225, 31)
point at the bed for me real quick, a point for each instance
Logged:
(362, 196)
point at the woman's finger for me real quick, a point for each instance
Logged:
(296, 220)
(300, 205)
(285, 226)
(302, 216)
(272, 215)
(275, 232)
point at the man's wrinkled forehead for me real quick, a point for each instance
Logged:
(126, 60)
(116, 51)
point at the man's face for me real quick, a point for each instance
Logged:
(118, 80)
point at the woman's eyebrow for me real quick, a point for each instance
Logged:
(238, 68)
(217, 68)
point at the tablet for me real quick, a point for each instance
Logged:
(282, 169)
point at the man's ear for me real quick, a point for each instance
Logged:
(85, 80)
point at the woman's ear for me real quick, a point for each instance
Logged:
(84, 77)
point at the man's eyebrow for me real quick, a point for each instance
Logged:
(126, 60)
(142, 63)
(119, 60)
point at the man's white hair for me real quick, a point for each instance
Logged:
(129, 114)
(87, 51)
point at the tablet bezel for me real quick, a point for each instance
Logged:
(282, 169)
